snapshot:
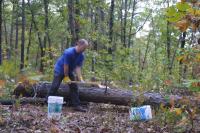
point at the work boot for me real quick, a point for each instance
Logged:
(79, 108)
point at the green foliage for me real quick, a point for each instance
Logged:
(193, 85)
(182, 6)
(175, 13)
(8, 69)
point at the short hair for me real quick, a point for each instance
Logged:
(82, 42)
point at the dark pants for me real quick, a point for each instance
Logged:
(73, 94)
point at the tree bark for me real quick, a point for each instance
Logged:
(71, 21)
(146, 52)
(132, 16)
(168, 48)
(168, 45)
(1, 32)
(91, 94)
(125, 22)
(12, 27)
(16, 25)
(46, 37)
(111, 23)
(42, 54)
(29, 42)
(5, 33)
(121, 20)
(23, 35)
(77, 17)
(112, 6)
(182, 71)
(96, 23)
(112, 96)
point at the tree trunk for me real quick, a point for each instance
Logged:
(77, 17)
(12, 27)
(131, 26)
(23, 35)
(125, 22)
(91, 94)
(42, 54)
(98, 95)
(102, 19)
(1, 32)
(29, 42)
(71, 21)
(16, 25)
(168, 47)
(111, 20)
(121, 20)
(111, 23)
(5, 33)
(96, 23)
(46, 37)
(182, 72)
(146, 52)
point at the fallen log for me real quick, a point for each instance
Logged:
(111, 96)
(23, 100)
(89, 94)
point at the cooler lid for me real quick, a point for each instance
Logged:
(55, 99)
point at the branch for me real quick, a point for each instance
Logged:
(141, 27)
(174, 55)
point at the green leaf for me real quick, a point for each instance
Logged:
(176, 17)
(182, 6)
(170, 11)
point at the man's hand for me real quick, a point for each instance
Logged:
(66, 79)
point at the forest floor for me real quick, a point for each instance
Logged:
(100, 118)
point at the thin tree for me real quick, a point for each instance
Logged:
(1, 32)
(111, 23)
(96, 23)
(71, 20)
(146, 52)
(23, 35)
(131, 26)
(168, 44)
(77, 15)
(41, 46)
(121, 20)
(5, 31)
(182, 70)
(12, 27)
(125, 23)
(29, 42)
(46, 36)
(16, 25)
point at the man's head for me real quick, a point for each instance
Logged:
(81, 45)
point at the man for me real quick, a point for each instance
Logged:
(69, 63)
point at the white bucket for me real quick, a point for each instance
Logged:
(141, 113)
(54, 107)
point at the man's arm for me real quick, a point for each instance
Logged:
(78, 73)
(66, 70)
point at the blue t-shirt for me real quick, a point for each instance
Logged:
(71, 58)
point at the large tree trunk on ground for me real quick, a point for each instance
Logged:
(90, 94)
(112, 96)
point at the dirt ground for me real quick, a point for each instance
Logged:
(100, 118)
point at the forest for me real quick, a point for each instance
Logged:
(140, 52)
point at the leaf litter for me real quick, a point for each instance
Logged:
(100, 118)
